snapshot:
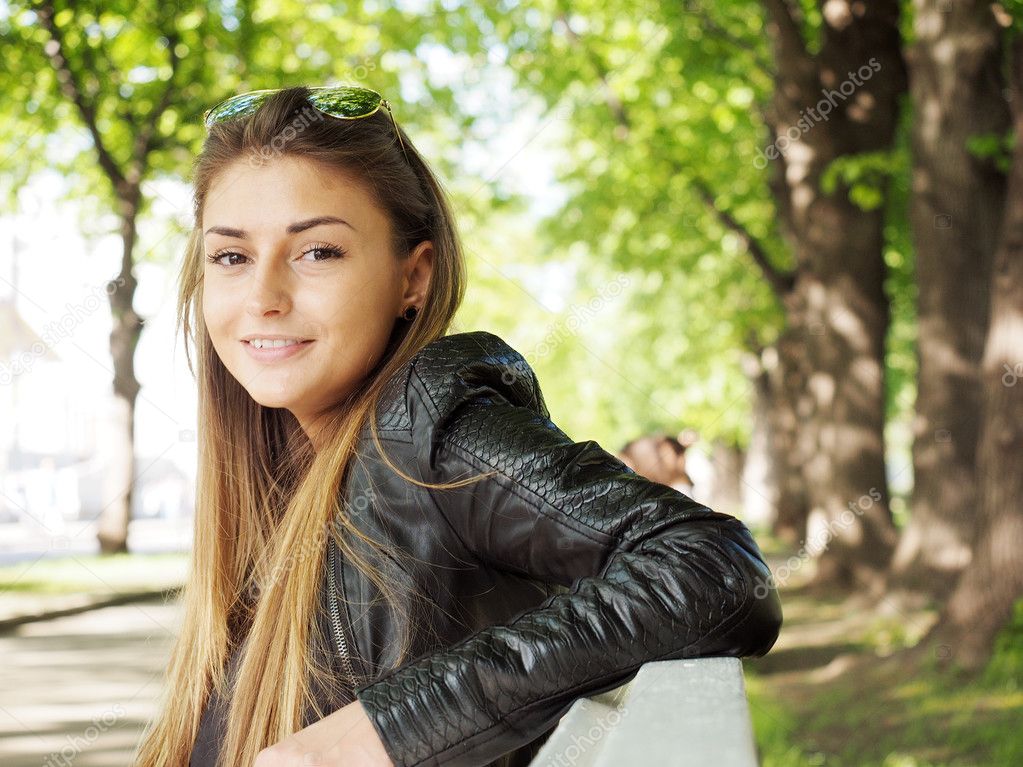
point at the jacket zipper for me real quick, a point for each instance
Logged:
(335, 614)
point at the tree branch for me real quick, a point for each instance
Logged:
(613, 102)
(708, 24)
(780, 281)
(147, 137)
(69, 83)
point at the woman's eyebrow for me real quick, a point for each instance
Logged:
(298, 226)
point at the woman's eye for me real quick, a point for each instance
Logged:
(325, 252)
(216, 258)
(320, 253)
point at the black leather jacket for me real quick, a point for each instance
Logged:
(553, 579)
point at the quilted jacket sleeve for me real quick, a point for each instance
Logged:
(652, 574)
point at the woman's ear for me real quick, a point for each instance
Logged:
(418, 269)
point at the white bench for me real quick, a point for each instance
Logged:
(683, 713)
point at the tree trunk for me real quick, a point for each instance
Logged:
(987, 590)
(838, 103)
(761, 473)
(956, 208)
(118, 485)
(774, 487)
(789, 381)
(726, 486)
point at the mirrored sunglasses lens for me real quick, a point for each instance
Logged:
(235, 107)
(346, 102)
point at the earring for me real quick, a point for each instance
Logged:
(410, 313)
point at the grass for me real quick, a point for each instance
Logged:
(880, 711)
(93, 574)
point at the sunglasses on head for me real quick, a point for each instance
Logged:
(345, 102)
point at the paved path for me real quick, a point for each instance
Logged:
(79, 690)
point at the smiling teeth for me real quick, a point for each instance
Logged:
(267, 343)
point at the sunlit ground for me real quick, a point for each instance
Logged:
(835, 692)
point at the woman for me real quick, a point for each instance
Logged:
(398, 557)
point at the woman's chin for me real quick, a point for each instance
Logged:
(275, 399)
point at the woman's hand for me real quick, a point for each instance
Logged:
(345, 738)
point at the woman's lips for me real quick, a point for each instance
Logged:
(275, 353)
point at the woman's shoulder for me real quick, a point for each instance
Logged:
(473, 345)
(452, 367)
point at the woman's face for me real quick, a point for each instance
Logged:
(302, 254)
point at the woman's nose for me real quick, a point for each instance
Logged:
(269, 290)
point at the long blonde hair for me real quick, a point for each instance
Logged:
(265, 500)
